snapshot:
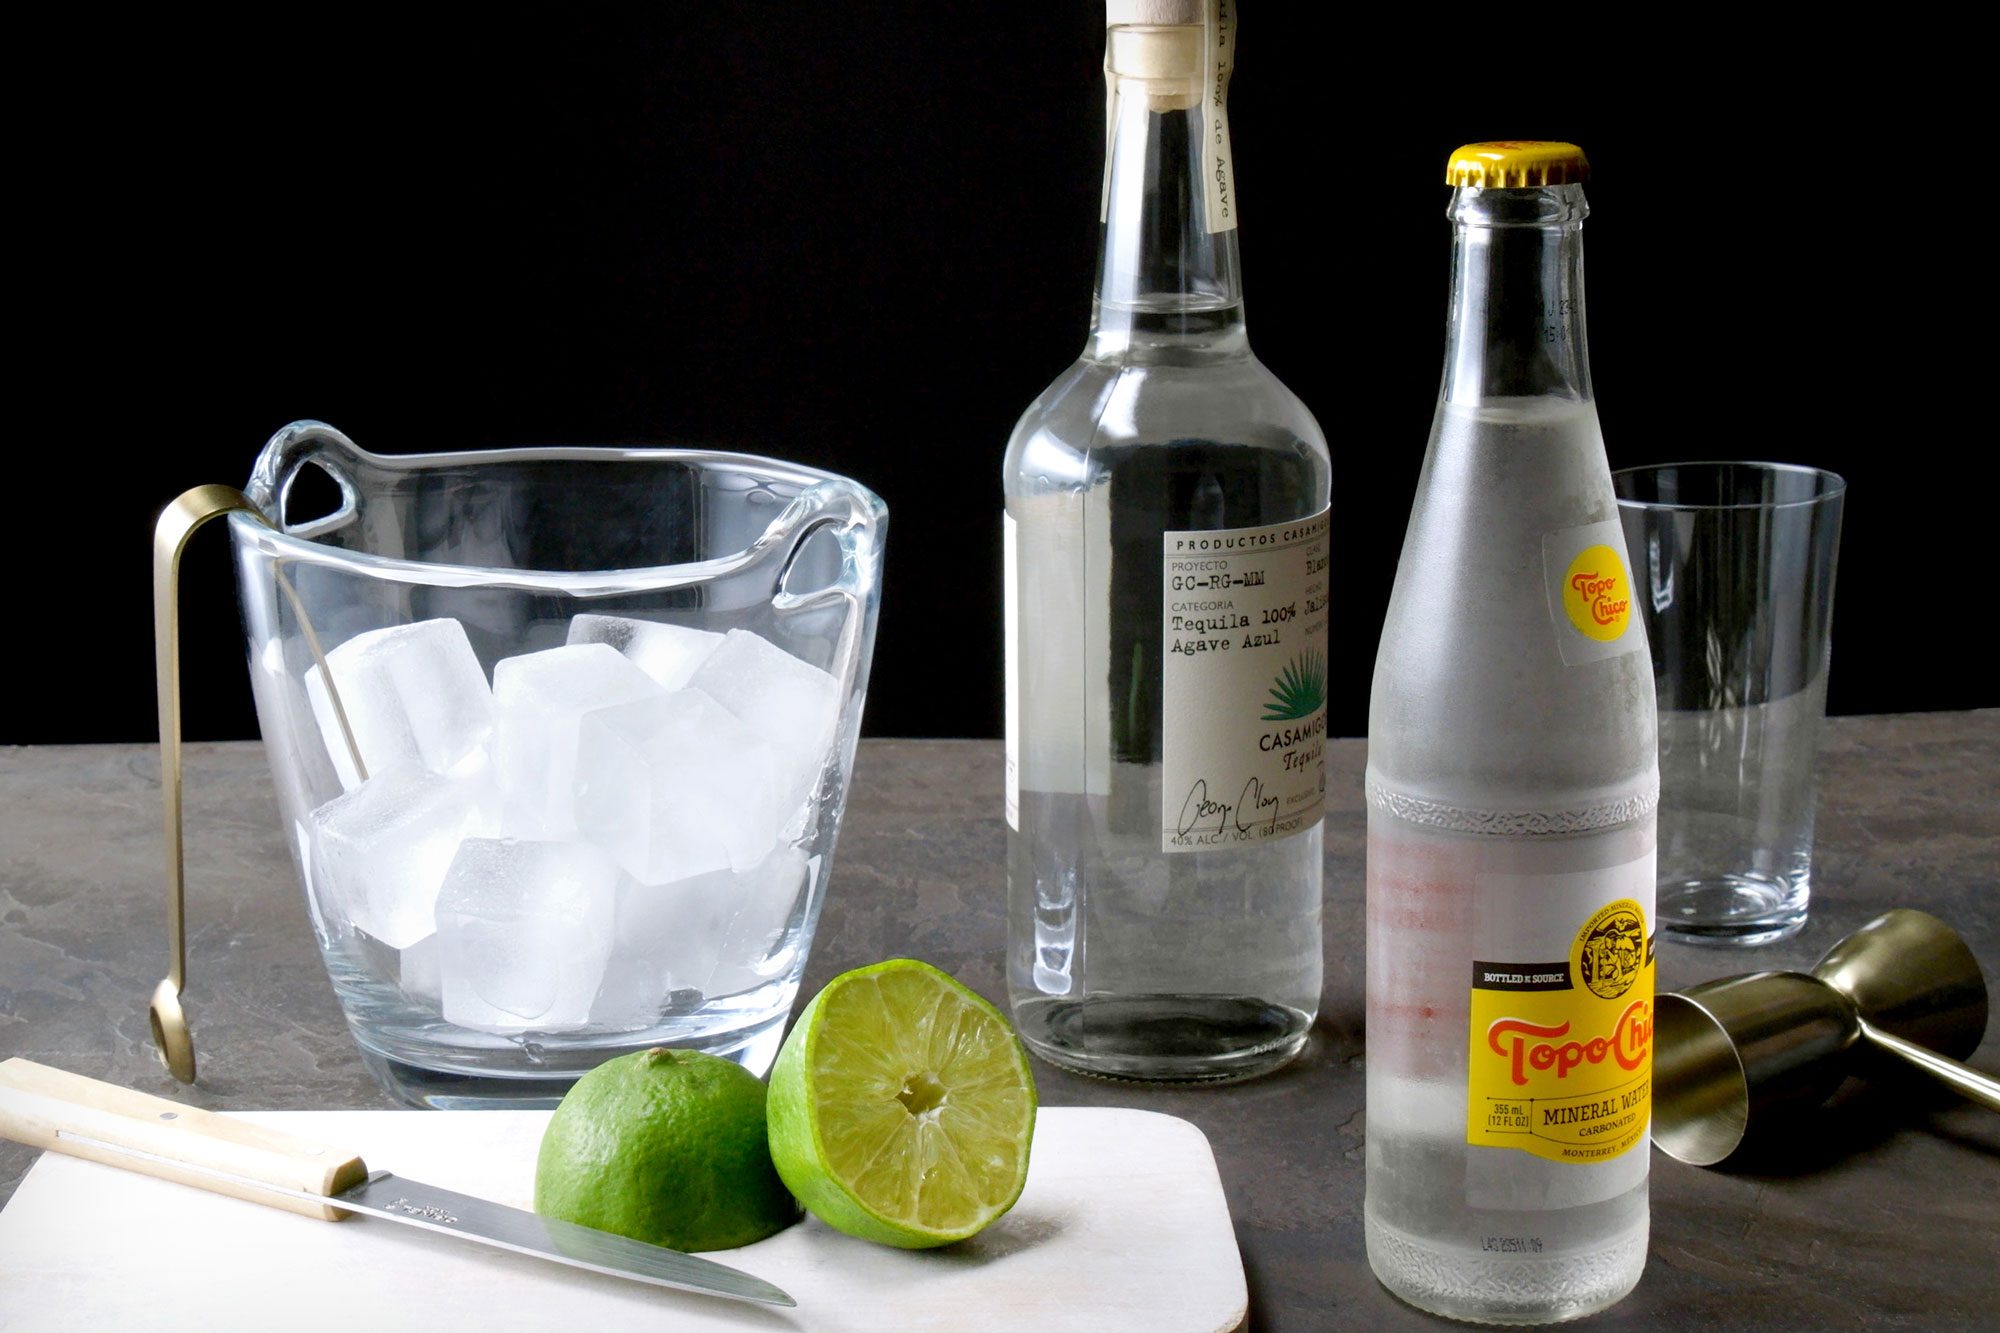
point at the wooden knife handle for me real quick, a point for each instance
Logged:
(68, 1113)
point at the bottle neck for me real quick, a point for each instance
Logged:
(1166, 282)
(1517, 328)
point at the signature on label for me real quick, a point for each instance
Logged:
(1197, 811)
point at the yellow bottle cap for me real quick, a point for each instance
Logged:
(1516, 164)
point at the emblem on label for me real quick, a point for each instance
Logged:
(1300, 689)
(1610, 950)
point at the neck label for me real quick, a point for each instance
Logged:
(1218, 169)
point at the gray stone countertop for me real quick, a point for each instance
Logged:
(1886, 1213)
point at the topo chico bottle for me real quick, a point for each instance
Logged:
(1512, 780)
(1166, 596)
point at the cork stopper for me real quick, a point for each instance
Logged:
(1156, 57)
(1156, 45)
(1154, 13)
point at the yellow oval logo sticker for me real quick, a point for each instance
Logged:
(1597, 595)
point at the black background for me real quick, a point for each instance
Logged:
(862, 237)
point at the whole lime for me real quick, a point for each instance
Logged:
(668, 1147)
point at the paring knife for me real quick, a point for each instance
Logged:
(68, 1113)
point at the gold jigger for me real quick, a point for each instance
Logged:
(1735, 1057)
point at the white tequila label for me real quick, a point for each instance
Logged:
(1243, 685)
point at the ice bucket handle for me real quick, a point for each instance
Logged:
(853, 515)
(177, 524)
(285, 455)
(856, 519)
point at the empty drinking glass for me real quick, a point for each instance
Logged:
(1733, 567)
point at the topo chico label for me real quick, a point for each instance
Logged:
(1590, 593)
(1561, 1057)
(1243, 684)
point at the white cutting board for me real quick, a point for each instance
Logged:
(1122, 1226)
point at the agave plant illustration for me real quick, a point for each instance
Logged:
(1300, 690)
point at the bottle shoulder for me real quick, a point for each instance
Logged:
(1474, 701)
(1099, 411)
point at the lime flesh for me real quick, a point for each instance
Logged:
(901, 1107)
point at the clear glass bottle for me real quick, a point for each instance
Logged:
(1166, 604)
(1512, 782)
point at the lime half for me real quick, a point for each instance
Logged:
(901, 1107)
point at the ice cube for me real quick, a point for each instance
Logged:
(412, 969)
(720, 933)
(755, 946)
(300, 766)
(538, 700)
(524, 929)
(380, 852)
(667, 653)
(411, 693)
(302, 836)
(792, 704)
(664, 941)
(675, 787)
(418, 972)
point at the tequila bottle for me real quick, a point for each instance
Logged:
(1166, 578)
(1511, 791)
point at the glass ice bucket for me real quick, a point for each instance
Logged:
(561, 740)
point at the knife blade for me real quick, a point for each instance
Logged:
(68, 1113)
